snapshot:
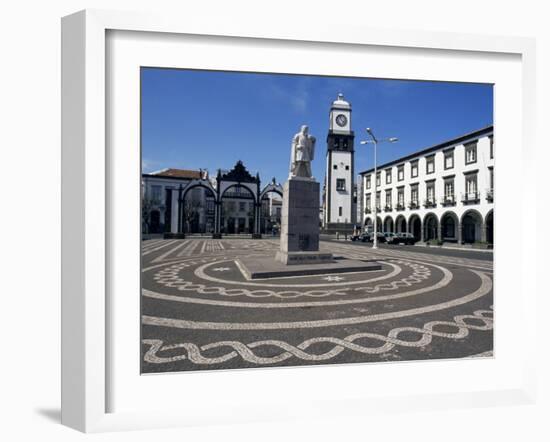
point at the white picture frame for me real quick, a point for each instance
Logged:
(86, 215)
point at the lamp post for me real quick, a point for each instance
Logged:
(375, 141)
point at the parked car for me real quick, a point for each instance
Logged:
(365, 237)
(391, 238)
(405, 238)
(360, 236)
(380, 236)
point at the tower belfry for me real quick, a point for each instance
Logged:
(339, 206)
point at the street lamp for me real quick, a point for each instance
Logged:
(375, 141)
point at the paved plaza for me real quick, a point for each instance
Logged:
(199, 312)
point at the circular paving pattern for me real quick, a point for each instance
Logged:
(200, 312)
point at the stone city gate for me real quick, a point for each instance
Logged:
(235, 185)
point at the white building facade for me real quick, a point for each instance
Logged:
(444, 193)
(160, 205)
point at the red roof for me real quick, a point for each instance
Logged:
(179, 173)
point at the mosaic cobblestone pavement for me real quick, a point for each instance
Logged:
(199, 312)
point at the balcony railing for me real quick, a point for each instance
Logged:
(367, 210)
(470, 197)
(429, 203)
(448, 200)
(388, 208)
(490, 195)
(413, 205)
(400, 206)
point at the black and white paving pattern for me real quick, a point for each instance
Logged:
(200, 313)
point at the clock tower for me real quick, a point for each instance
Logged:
(339, 205)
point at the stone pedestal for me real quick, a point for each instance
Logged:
(300, 223)
(265, 267)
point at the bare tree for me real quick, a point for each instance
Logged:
(229, 211)
(147, 207)
(192, 211)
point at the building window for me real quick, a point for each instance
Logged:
(471, 193)
(388, 199)
(388, 176)
(449, 159)
(340, 184)
(449, 191)
(378, 201)
(335, 167)
(414, 169)
(401, 197)
(414, 194)
(367, 203)
(156, 194)
(471, 183)
(430, 164)
(340, 211)
(377, 179)
(400, 173)
(471, 152)
(430, 193)
(242, 206)
(367, 180)
(490, 190)
(347, 167)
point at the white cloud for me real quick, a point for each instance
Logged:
(148, 165)
(297, 97)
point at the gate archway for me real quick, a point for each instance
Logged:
(449, 227)
(401, 224)
(430, 227)
(198, 212)
(239, 201)
(379, 225)
(238, 210)
(472, 223)
(489, 228)
(271, 208)
(415, 227)
(388, 224)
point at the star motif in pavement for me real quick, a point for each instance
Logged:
(333, 278)
(221, 269)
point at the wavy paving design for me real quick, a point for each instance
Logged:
(172, 277)
(198, 355)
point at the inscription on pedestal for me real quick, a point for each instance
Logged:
(303, 242)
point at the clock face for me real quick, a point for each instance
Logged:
(341, 120)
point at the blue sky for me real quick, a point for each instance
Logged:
(211, 119)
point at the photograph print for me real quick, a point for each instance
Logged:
(302, 220)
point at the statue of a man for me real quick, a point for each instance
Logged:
(302, 153)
